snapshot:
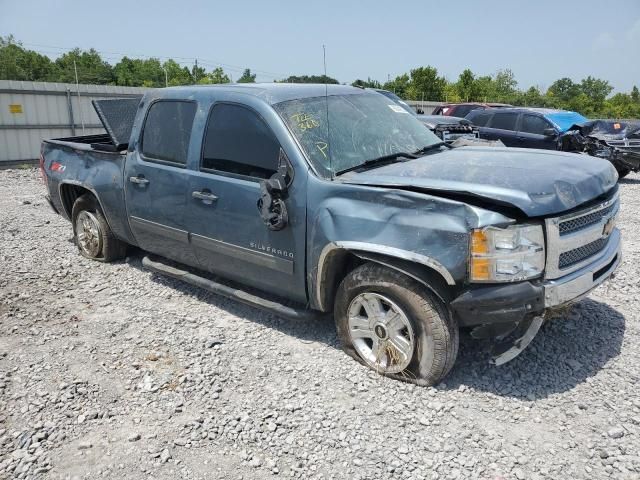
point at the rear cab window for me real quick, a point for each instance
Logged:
(237, 141)
(504, 121)
(167, 131)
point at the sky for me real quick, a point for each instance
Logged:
(540, 41)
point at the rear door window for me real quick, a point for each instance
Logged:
(504, 121)
(479, 118)
(167, 131)
(534, 124)
(238, 141)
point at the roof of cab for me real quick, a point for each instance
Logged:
(272, 92)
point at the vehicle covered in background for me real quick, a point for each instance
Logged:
(463, 109)
(550, 129)
(448, 129)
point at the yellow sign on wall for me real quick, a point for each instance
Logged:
(15, 108)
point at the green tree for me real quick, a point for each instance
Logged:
(176, 74)
(215, 76)
(505, 86)
(597, 91)
(368, 83)
(426, 84)
(18, 63)
(399, 85)
(484, 88)
(533, 97)
(562, 91)
(451, 94)
(197, 74)
(139, 73)
(310, 79)
(635, 95)
(90, 66)
(466, 86)
(247, 76)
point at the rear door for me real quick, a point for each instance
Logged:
(156, 180)
(502, 126)
(228, 234)
(531, 132)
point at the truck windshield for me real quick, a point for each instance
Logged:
(362, 127)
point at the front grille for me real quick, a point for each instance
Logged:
(625, 146)
(579, 223)
(579, 254)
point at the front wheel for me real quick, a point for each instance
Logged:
(94, 238)
(395, 325)
(623, 171)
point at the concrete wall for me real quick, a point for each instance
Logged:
(32, 111)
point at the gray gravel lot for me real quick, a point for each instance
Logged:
(108, 371)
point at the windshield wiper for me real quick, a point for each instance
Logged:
(428, 148)
(375, 161)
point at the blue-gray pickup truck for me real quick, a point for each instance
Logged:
(316, 198)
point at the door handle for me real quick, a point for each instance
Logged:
(139, 180)
(207, 197)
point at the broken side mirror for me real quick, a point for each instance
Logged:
(273, 192)
(549, 132)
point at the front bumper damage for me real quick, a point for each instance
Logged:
(511, 314)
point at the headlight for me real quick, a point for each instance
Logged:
(506, 254)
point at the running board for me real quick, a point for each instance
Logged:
(229, 292)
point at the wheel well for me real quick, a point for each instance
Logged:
(69, 194)
(341, 262)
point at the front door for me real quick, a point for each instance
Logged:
(156, 181)
(228, 233)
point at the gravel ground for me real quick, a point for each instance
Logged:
(108, 371)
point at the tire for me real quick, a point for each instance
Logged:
(429, 327)
(92, 234)
(623, 172)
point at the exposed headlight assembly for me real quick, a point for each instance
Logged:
(508, 254)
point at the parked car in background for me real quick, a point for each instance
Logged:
(549, 129)
(462, 109)
(345, 204)
(448, 129)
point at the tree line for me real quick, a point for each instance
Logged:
(591, 96)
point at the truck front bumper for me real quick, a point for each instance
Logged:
(513, 302)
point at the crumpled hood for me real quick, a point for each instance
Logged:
(537, 182)
(609, 129)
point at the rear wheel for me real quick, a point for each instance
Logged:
(94, 238)
(395, 325)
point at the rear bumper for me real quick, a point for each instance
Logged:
(513, 302)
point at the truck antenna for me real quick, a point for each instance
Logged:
(326, 102)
